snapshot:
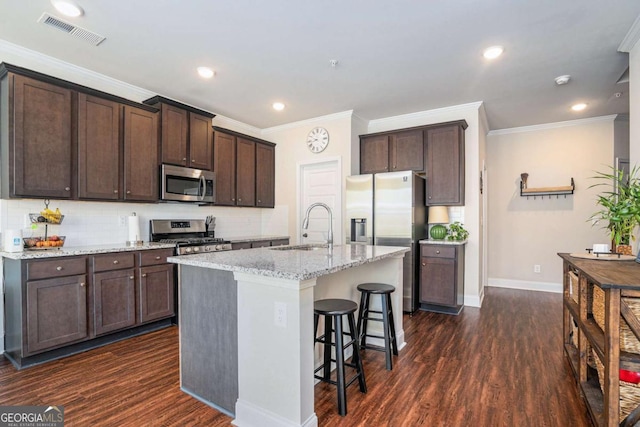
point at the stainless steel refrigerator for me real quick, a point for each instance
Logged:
(388, 209)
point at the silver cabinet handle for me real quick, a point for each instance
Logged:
(82, 284)
(437, 252)
(115, 191)
(184, 159)
(144, 274)
(116, 261)
(131, 277)
(193, 160)
(158, 257)
(239, 199)
(424, 264)
(67, 188)
(59, 268)
(128, 191)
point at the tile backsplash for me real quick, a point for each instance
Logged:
(97, 223)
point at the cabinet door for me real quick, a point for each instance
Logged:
(99, 150)
(224, 165)
(41, 138)
(265, 175)
(374, 154)
(140, 154)
(445, 166)
(175, 125)
(156, 292)
(437, 281)
(56, 312)
(200, 142)
(407, 151)
(114, 299)
(245, 172)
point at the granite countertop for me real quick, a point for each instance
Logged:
(442, 242)
(291, 264)
(83, 250)
(243, 239)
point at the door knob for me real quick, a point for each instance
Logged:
(305, 235)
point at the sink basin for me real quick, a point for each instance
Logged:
(310, 247)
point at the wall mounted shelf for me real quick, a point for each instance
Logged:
(547, 191)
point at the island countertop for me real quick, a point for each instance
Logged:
(291, 264)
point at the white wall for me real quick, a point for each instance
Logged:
(524, 232)
(634, 101)
(292, 151)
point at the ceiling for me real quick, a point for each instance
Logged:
(394, 57)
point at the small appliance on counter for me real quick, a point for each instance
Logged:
(189, 235)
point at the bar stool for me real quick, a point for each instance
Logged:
(333, 310)
(388, 326)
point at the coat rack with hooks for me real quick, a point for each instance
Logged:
(544, 191)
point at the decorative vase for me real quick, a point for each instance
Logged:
(438, 232)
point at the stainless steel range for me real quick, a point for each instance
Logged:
(190, 236)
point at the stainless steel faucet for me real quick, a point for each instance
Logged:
(305, 221)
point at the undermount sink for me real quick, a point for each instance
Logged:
(309, 247)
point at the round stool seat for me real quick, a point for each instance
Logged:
(334, 307)
(376, 288)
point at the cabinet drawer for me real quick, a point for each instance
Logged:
(114, 261)
(155, 257)
(58, 267)
(438, 251)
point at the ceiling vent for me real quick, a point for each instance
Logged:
(74, 30)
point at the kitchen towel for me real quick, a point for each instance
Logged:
(134, 229)
(12, 240)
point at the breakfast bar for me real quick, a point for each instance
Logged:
(246, 323)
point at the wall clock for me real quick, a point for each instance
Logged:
(318, 139)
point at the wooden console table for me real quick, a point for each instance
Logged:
(617, 279)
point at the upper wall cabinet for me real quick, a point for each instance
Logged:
(245, 169)
(36, 136)
(436, 151)
(60, 140)
(186, 134)
(395, 151)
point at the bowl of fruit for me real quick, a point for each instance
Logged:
(50, 242)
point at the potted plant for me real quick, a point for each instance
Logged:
(457, 232)
(620, 205)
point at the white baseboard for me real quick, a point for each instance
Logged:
(526, 285)
(250, 415)
(474, 301)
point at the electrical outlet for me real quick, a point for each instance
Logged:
(123, 221)
(536, 268)
(280, 314)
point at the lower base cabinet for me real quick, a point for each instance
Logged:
(442, 277)
(56, 303)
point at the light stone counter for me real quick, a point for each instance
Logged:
(246, 324)
(83, 250)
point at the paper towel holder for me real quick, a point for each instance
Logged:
(134, 231)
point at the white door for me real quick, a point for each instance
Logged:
(320, 182)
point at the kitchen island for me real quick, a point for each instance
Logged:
(246, 324)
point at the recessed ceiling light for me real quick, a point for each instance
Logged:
(67, 7)
(493, 52)
(579, 107)
(562, 80)
(278, 106)
(205, 72)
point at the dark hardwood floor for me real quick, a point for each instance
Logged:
(501, 365)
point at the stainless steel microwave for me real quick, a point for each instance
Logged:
(187, 185)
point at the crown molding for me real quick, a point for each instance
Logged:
(632, 37)
(67, 71)
(420, 116)
(233, 124)
(556, 125)
(482, 113)
(309, 122)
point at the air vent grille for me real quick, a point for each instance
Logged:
(73, 30)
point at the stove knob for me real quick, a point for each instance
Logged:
(187, 250)
(219, 247)
(208, 248)
(196, 249)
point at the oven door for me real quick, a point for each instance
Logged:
(187, 185)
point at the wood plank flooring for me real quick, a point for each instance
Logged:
(501, 365)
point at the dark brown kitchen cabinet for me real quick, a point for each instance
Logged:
(445, 165)
(36, 131)
(224, 165)
(114, 289)
(140, 154)
(397, 151)
(156, 285)
(265, 175)
(442, 278)
(99, 149)
(245, 172)
(245, 169)
(186, 134)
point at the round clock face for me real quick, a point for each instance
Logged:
(318, 140)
